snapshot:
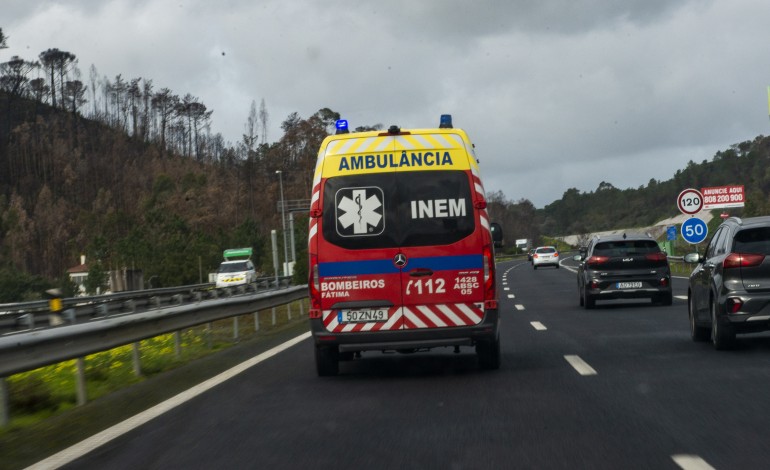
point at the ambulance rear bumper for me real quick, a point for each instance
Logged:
(423, 338)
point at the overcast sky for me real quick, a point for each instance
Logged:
(555, 94)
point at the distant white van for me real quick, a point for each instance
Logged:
(236, 272)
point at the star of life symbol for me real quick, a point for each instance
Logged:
(359, 207)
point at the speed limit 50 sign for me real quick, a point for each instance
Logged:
(690, 201)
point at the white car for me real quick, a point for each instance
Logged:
(545, 256)
(236, 273)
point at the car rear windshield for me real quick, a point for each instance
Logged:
(385, 210)
(233, 267)
(626, 248)
(546, 250)
(753, 240)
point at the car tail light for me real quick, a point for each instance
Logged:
(660, 256)
(742, 260)
(314, 285)
(534, 255)
(733, 304)
(594, 284)
(556, 254)
(597, 260)
(663, 282)
(490, 297)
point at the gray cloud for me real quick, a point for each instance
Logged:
(581, 92)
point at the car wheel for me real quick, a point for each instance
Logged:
(589, 301)
(580, 296)
(557, 266)
(488, 352)
(327, 360)
(534, 266)
(722, 335)
(664, 299)
(697, 333)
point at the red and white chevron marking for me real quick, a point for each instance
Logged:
(412, 317)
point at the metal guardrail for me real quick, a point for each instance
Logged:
(31, 315)
(27, 350)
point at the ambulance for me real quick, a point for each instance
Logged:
(401, 257)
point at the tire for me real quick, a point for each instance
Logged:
(664, 299)
(327, 360)
(488, 352)
(580, 296)
(557, 266)
(722, 335)
(589, 301)
(698, 334)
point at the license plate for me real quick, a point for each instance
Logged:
(362, 316)
(628, 285)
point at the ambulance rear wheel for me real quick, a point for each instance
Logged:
(327, 360)
(488, 352)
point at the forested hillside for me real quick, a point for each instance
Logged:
(607, 207)
(132, 177)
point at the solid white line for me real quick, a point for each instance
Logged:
(580, 365)
(538, 326)
(691, 462)
(511, 296)
(82, 448)
(519, 307)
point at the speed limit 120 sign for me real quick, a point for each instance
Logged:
(690, 201)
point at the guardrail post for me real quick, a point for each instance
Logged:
(301, 308)
(5, 407)
(209, 339)
(177, 344)
(29, 320)
(69, 315)
(235, 328)
(177, 299)
(273, 316)
(256, 321)
(80, 381)
(130, 305)
(136, 361)
(288, 311)
(102, 310)
(155, 300)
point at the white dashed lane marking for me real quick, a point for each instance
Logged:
(691, 462)
(538, 326)
(519, 307)
(511, 296)
(580, 365)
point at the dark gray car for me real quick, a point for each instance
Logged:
(623, 267)
(729, 288)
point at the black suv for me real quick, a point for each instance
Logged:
(729, 288)
(623, 267)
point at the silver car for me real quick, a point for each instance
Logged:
(545, 256)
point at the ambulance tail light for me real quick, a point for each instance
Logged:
(490, 294)
(315, 210)
(315, 288)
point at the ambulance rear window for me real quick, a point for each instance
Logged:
(385, 210)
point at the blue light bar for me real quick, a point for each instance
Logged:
(446, 121)
(342, 126)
